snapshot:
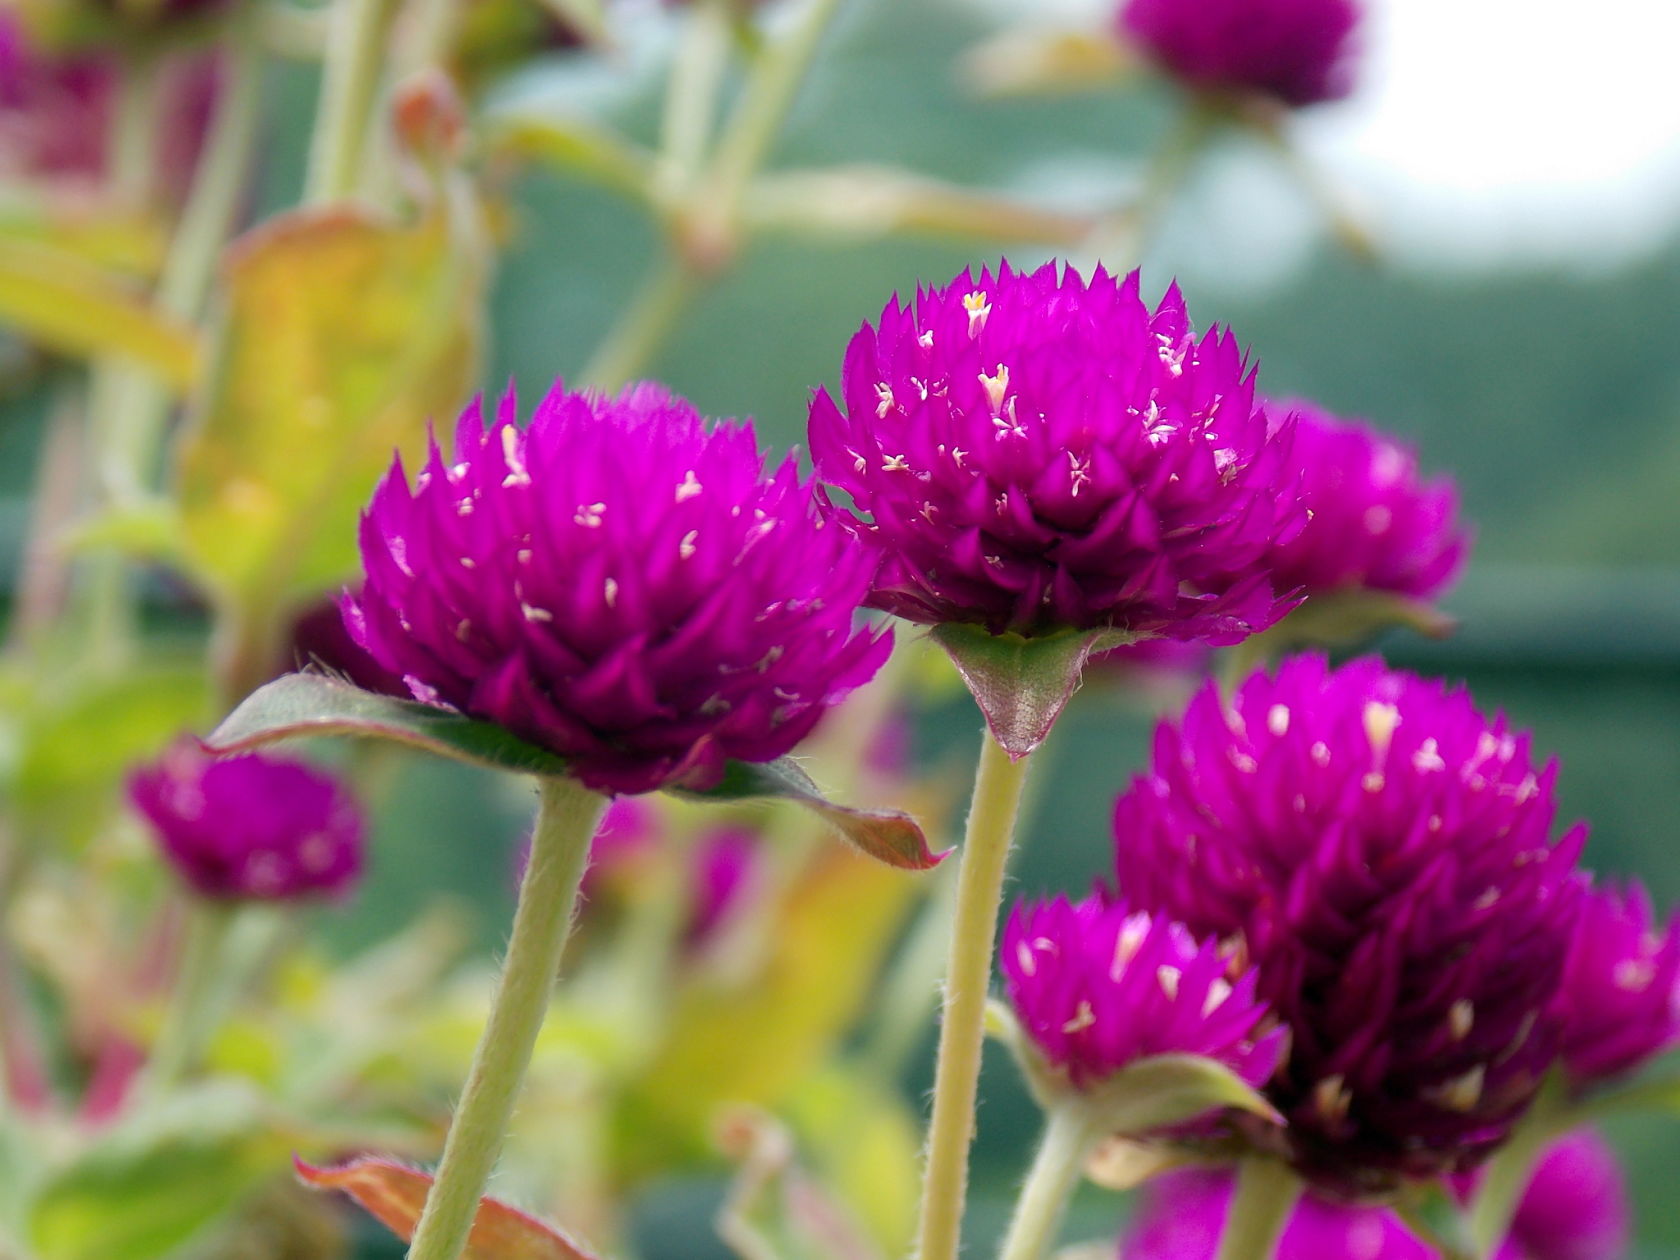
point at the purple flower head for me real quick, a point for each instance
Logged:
(1097, 985)
(1620, 1000)
(251, 828)
(1293, 51)
(1181, 1215)
(1574, 1208)
(1031, 452)
(1373, 523)
(727, 866)
(618, 585)
(319, 640)
(1381, 852)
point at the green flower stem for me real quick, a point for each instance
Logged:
(567, 817)
(691, 96)
(356, 55)
(1507, 1176)
(1266, 1194)
(983, 860)
(1163, 177)
(1069, 1137)
(194, 1008)
(645, 324)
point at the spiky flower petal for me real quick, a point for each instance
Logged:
(1620, 1000)
(1575, 1208)
(1293, 51)
(1373, 523)
(1097, 985)
(252, 828)
(1381, 852)
(617, 584)
(1032, 453)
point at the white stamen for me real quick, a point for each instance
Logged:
(1277, 720)
(690, 486)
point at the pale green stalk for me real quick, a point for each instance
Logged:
(567, 816)
(1069, 1137)
(356, 55)
(194, 1010)
(983, 860)
(1266, 1193)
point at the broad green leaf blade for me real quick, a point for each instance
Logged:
(1170, 1089)
(344, 336)
(888, 835)
(61, 300)
(297, 705)
(1022, 684)
(314, 704)
(394, 1194)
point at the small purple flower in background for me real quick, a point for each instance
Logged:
(1373, 523)
(727, 865)
(1031, 453)
(1574, 1208)
(618, 585)
(1620, 1000)
(1097, 986)
(1381, 853)
(1297, 52)
(251, 828)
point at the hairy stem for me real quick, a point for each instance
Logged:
(567, 817)
(984, 858)
(1068, 1139)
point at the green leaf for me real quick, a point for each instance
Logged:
(1344, 618)
(61, 300)
(885, 834)
(577, 146)
(394, 1194)
(867, 202)
(1169, 1089)
(156, 1183)
(1022, 684)
(345, 335)
(313, 704)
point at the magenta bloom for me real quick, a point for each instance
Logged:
(1620, 1000)
(1373, 523)
(1097, 985)
(251, 828)
(1381, 851)
(727, 867)
(1575, 1208)
(618, 585)
(1181, 1215)
(1293, 51)
(1032, 453)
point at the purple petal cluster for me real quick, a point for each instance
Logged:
(1294, 51)
(1381, 851)
(1031, 452)
(1574, 1208)
(618, 585)
(1620, 1000)
(1373, 522)
(1097, 985)
(251, 828)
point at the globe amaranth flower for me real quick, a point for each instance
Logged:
(618, 585)
(57, 110)
(1574, 1208)
(1296, 52)
(320, 641)
(1032, 453)
(1097, 985)
(1372, 522)
(1381, 852)
(1620, 1000)
(251, 828)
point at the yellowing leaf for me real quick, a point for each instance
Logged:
(394, 1194)
(755, 1039)
(63, 301)
(345, 335)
